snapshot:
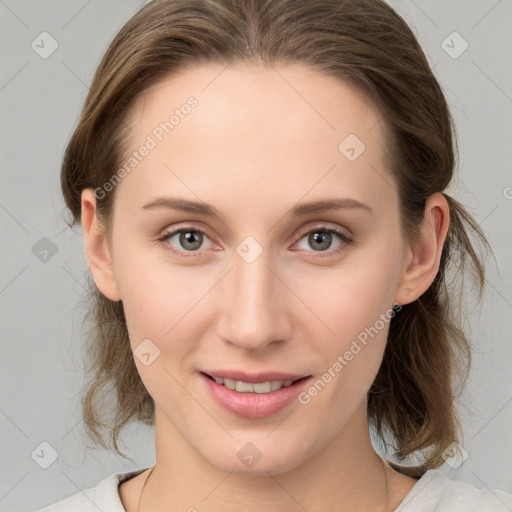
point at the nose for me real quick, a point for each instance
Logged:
(254, 305)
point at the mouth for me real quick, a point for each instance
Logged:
(262, 387)
(253, 396)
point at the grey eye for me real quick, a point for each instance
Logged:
(319, 239)
(187, 240)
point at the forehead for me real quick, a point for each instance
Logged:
(282, 93)
(261, 130)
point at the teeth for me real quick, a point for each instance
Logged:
(248, 387)
(231, 384)
(275, 385)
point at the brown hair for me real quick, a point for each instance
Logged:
(365, 42)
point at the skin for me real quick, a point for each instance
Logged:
(260, 141)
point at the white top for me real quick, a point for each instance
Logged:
(434, 492)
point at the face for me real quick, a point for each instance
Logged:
(257, 282)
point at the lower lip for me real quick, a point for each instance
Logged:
(254, 405)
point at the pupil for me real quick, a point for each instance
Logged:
(188, 238)
(317, 237)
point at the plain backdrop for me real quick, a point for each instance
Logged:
(40, 99)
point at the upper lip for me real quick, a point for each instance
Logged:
(254, 377)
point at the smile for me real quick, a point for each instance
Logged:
(254, 400)
(248, 387)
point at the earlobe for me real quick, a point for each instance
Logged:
(96, 247)
(423, 258)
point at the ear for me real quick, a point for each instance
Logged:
(422, 260)
(96, 247)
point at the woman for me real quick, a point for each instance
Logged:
(220, 143)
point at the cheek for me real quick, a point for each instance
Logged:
(352, 296)
(158, 306)
(149, 290)
(344, 299)
(167, 303)
(355, 302)
(350, 359)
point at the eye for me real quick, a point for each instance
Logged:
(190, 239)
(321, 239)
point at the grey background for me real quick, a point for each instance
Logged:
(40, 100)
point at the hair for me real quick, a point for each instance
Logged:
(365, 43)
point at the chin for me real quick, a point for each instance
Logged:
(246, 459)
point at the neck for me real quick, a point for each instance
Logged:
(345, 474)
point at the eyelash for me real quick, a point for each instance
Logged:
(345, 240)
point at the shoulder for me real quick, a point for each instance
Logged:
(436, 491)
(104, 496)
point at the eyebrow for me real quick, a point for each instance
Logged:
(207, 210)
